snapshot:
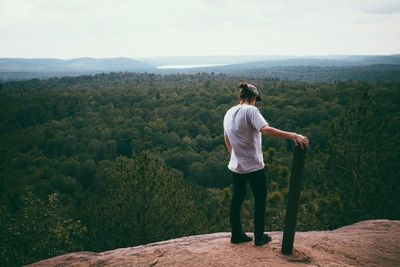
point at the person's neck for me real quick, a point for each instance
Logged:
(246, 102)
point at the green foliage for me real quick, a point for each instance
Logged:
(362, 148)
(40, 229)
(144, 202)
(123, 159)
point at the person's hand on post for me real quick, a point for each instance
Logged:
(301, 140)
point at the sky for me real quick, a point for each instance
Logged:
(152, 28)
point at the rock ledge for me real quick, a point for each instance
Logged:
(367, 243)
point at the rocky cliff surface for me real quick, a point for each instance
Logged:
(368, 243)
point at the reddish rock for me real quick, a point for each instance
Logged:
(368, 243)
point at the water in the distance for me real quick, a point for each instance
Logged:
(187, 66)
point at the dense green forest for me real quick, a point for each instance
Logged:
(305, 73)
(122, 159)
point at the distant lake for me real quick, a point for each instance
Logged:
(188, 66)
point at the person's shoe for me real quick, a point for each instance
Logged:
(262, 240)
(240, 238)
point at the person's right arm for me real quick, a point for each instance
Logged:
(273, 132)
(228, 144)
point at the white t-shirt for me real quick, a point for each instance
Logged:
(242, 125)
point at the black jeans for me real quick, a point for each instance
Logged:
(258, 184)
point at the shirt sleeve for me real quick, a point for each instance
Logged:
(224, 125)
(256, 119)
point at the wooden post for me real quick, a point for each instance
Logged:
(293, 200)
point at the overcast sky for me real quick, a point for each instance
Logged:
(145, 28)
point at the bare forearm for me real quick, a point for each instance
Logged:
(274, 132)
(298, 138)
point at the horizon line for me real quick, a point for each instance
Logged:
(199, 56)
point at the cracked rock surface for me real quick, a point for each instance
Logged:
(367, 243)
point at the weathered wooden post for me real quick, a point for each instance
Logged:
(293, 200)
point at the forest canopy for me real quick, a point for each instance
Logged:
(121, 159)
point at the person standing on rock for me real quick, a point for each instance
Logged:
(243, 126)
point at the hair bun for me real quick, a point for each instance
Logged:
(243, 85)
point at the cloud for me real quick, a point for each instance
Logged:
(380, 7)
(61, 28)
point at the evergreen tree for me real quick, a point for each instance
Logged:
(144, 201)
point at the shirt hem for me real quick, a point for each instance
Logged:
(246, 171)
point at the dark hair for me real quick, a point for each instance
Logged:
(245, 93)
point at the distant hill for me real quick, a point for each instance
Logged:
(273, 61)
(378, 72)
(309, 69)
(187, 60)
(337, 61)
(368, 243)
(12, 68)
